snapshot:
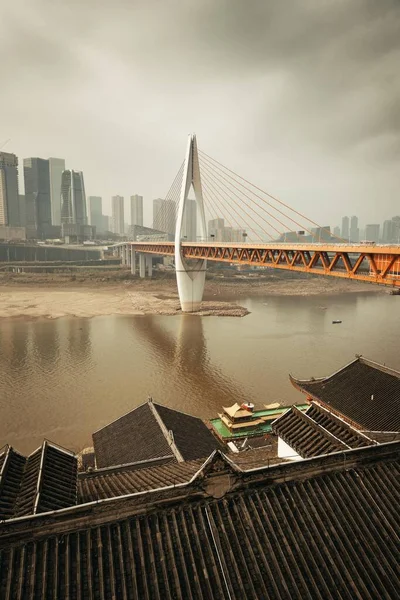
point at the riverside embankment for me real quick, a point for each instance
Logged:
(91, 294)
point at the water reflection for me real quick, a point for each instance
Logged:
(185, 357)
(77, 333)
(64, 379)
(14, 337)
(45, 344)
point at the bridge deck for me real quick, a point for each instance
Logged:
(374, 263)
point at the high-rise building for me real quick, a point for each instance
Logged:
(216, 229)
(137, 210)
(189, 225)
(345, 228)
(37, 196)
(391, 231)
(117, 203)
(321, 234)
(73, 198)
(219, 232)
(95, 212)
(22, 210)
(9, 197)
(107, 223)
(164, 214)
(56, 169)
(372, 232)
(336, 232)
(396, 221)
(354, 230)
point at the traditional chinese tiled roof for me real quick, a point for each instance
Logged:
(144, 434)
(322, 528)
(364, 392)
(192, 437)
(317, 431)
(44, 481)
(128, 479)
(12, 466)
(108, 483)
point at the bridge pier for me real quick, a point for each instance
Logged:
(149, 265)
(142, 266)
(145, 264)
(133, 261)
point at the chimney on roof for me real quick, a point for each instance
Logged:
(150, 399)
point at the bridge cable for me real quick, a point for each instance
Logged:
(167, 210)
(263, 192)
(230, 181)
(222, 202)
(251, 200)
(210, 174)
(275, 199)
(218, 194)
(240, 226)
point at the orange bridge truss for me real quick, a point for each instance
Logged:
(373, 263)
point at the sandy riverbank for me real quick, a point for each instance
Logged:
(60, 296)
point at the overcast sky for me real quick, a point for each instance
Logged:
(302, 97)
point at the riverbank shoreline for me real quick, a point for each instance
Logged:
(60, 296)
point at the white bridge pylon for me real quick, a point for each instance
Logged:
(190, 274)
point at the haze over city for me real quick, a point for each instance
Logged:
(300, 98)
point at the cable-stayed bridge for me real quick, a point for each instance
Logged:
(232, 220)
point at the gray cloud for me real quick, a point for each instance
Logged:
(301, 95)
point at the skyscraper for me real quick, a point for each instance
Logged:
(56, 168)
(73, 198)
(118, 214)
(95, 210)
(137, 210)
(189, 229)
(354, 231)
(164, 214)
(345, 228)
(9, 197)
(22, 210)
(37, 196)
(372, 233)
(389, 231)
(219, 232)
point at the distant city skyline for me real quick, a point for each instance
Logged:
(298, 99)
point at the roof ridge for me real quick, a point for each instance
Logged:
(360, 454)
(123, 466)
(317, 426)
(166, 432)
(379, 366)
(342, 421)
(177, 411)
(295, 380)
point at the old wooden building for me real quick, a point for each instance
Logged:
(325, 527)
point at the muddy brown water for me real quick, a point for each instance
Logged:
(63, 379)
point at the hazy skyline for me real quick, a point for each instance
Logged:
(300, 97)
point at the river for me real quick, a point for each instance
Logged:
(63, 379)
